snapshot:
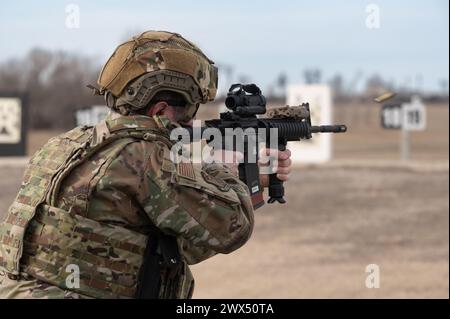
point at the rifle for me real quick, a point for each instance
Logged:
(291, 123)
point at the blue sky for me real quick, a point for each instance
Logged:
(259, 39)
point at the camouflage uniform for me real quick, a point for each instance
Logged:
(115, 197)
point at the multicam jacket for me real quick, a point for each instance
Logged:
(91, 197)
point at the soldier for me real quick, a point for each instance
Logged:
(103, 211)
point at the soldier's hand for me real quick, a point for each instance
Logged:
(274, 161)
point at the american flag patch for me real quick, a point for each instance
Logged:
(186, 170)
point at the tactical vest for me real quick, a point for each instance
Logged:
(50, 244)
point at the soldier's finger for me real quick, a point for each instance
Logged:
(284, 155)
(283, 177)
(267, 156)
(271, 168)
(271, 152)
(285, 163)
(284, 170)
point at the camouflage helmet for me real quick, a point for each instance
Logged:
(157, 61)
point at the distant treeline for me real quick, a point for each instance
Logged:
(55, 83)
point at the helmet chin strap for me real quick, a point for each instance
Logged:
(122, 110)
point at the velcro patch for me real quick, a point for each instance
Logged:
(168, 166)
(220, 184)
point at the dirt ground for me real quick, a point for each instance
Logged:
(365, 208)
(336, 222)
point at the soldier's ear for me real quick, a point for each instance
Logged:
(158, 108)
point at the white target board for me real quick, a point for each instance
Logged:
(407, 116)
(91, 115)
(414, 115)
(10, 120)
(13, 124)
(317, 149)
(391, 116)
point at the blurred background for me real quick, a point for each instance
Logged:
(376, 205)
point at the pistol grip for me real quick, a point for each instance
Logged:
(276, 188)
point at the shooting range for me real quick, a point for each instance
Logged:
(377, 195)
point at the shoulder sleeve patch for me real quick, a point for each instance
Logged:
(168, 166)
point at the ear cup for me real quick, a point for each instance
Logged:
(110, 99)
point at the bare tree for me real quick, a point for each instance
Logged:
(337, 85)
(55, 83)
(282, 82)
(443, 83)
(312, 76)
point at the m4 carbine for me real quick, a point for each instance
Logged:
(292, 123)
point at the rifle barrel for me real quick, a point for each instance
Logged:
(329, 129)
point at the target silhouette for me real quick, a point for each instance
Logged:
(12, 125)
